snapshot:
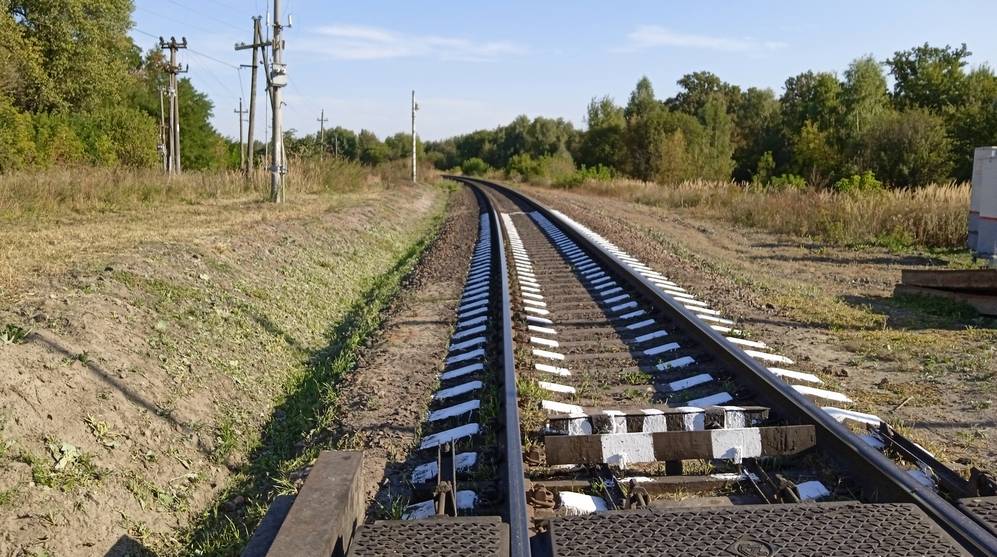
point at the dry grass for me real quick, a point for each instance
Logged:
(50, 220)
(85, 190)
(932, 216)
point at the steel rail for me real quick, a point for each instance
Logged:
(882, 480)
(515, 509)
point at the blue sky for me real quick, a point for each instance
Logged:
(479, 64)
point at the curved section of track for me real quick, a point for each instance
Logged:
(606, 348)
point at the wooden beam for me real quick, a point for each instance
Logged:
(326, 511)
(978, 280)
(985, 305)
(721, 444)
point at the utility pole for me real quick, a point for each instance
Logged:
(278, 80)
(173, 143)
(321, 134)
(242, 146)
(415, 106)
(162, 132)
(258, 45)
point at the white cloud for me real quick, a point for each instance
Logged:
(360, 42)
(650, 36)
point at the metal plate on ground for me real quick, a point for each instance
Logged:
(983, 510)
(822, 529)
(473, 536)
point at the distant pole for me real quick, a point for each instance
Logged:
(242, 146)
(278, 80)
(172, 68)
(321, 134)
(162, 132)
(413, 137)
(257, 45)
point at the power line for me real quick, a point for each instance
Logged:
(175, 20)
(212, 58)
(202, 14)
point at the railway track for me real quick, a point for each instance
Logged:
(589, 404)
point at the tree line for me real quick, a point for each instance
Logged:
(852, 131)
(78, 90)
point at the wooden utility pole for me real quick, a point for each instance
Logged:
(172, 68)
(321, 134)
(242, 146)
(278, 80)
(257, 45)
(415, 107)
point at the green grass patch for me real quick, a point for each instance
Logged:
(303, 421)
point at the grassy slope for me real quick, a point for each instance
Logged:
(184, 350)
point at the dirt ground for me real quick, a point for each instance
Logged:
(385, 400)
(928, 367)
(158, 344)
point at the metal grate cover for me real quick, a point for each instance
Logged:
(817, 530)
(471, 536)
(984, 509)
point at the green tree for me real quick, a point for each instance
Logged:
(909, 148)
(370, 149)
(604, 141)
(696, 89)
(864, 94)
(718, 146)
(17, 148)
(756, 131)
(673, 163)
(813, 97)
(927, 76)
(85, 53)
(643, 115)
(973, 122)
(815, 156)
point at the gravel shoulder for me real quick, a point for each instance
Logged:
(927, 367)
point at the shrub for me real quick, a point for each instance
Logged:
(522, 167)
(17, 148)
(787, 182)
(764, 170)
(597, 173)
(474, 167)
(858, 183)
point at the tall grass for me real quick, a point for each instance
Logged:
(931, 216)
(93, 190)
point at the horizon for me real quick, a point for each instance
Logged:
(346, 61)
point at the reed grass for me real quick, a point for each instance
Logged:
(933, 216)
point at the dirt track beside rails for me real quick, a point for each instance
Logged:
(385, 400)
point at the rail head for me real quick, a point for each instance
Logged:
(514, 473)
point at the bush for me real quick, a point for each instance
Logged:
(17, 148)
(474, 167)
(522, 167)
(787, 182)
(764, 170)
(597, 173)
(858, 183)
